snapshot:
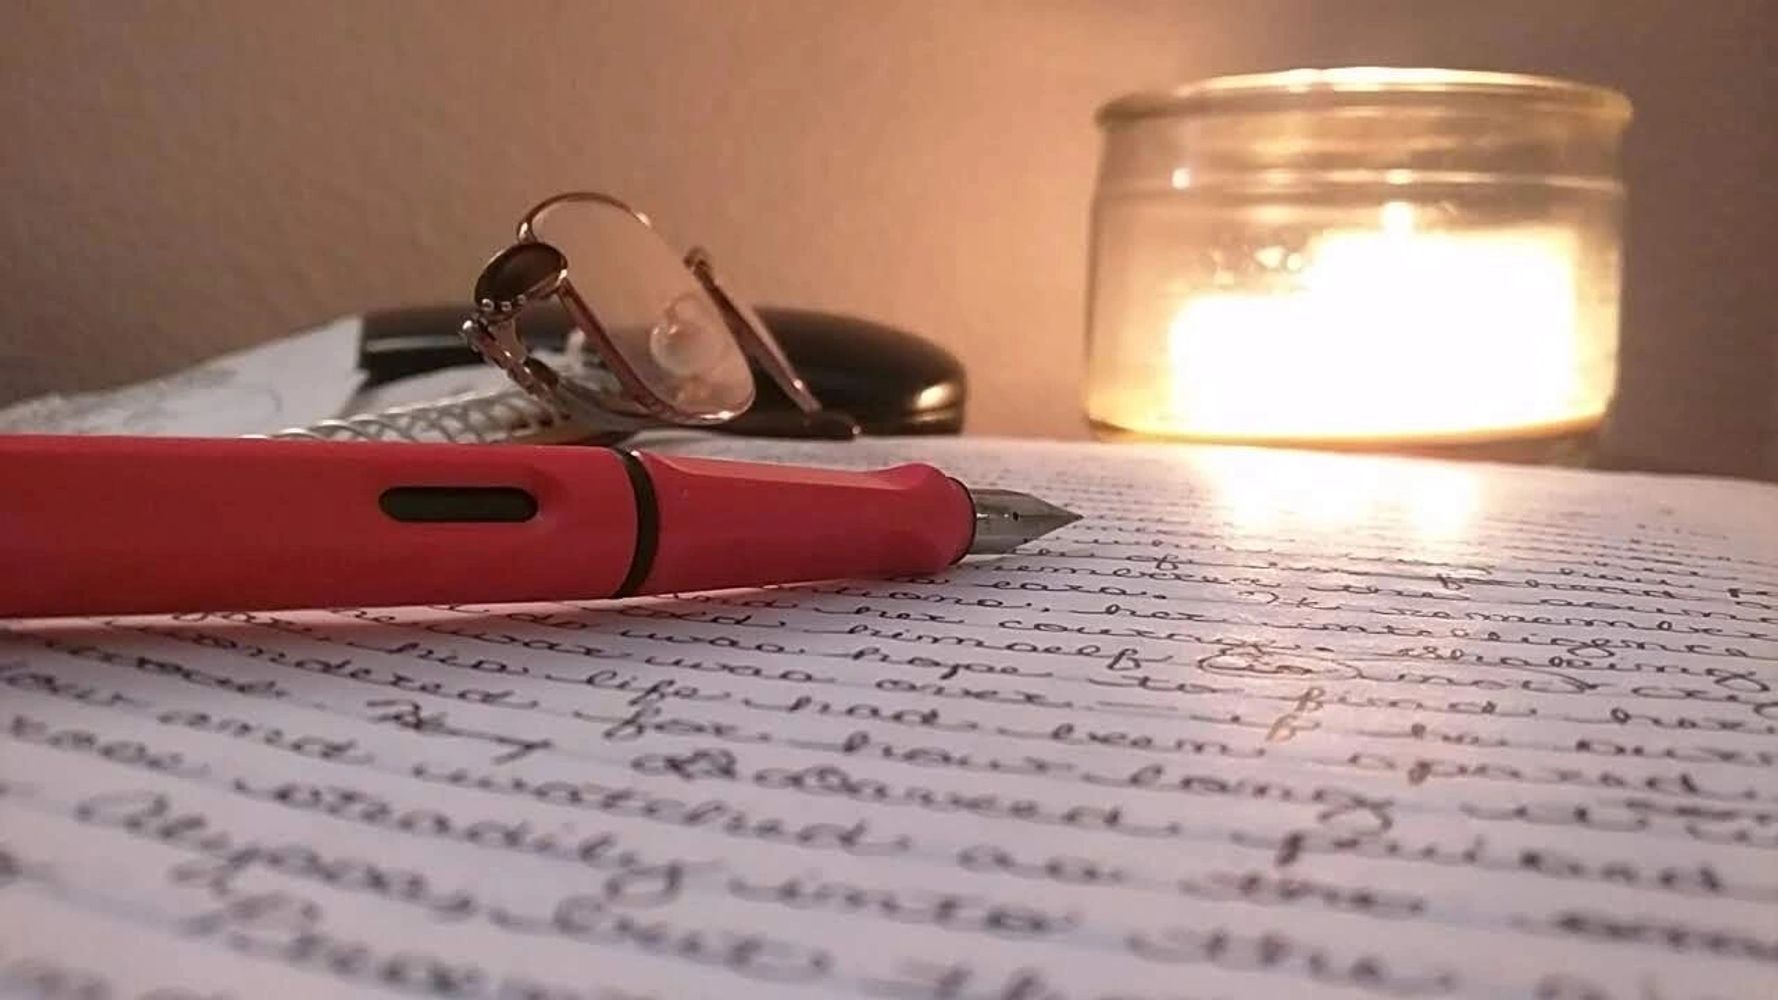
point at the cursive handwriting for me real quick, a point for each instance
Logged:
(1259, 724)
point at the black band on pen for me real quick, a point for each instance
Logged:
(648, 523)
(975, 520)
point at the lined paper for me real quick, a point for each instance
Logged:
(1260, 725)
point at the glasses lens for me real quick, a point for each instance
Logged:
(640, 299)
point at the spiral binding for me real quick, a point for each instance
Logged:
(498, 416)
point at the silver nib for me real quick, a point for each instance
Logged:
(1007, 519)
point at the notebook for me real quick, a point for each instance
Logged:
(1261, 724)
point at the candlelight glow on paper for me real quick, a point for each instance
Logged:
(1390, 332)
(1262, 492)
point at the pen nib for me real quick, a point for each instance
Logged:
(1007, 519)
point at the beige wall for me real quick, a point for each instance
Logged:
(184, 177)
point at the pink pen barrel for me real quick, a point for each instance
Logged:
(115, 525)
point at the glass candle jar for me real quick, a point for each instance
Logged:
(1357, 256)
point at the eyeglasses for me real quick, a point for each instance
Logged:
(658, 340)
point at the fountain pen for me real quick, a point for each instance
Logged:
(135, 525)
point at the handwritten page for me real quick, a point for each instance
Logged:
(1261, 725)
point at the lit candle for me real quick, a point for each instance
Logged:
(1370, 257)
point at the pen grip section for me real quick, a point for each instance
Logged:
(734, 524)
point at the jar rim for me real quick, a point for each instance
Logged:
(1354, 86)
